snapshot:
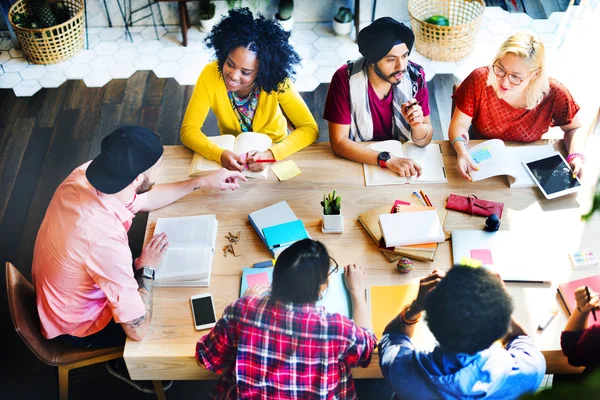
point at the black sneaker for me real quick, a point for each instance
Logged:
(118, 369)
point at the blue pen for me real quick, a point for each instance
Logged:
(420, 199)
(264, 264)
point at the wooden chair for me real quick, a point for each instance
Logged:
(23, 309)
(456, 85)
(184, 18)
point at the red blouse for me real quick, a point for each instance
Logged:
(493, 118)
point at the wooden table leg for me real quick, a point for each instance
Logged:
(184, 21)
(160, 390)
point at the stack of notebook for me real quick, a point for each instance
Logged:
(423, 251)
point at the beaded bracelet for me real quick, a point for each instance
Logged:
(409, 321)
(572, 156)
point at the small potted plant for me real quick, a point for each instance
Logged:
(284, 14)
(333, 220)
(342, 21)
(207, 15)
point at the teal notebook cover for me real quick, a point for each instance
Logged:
(335, 299)
(284, 234)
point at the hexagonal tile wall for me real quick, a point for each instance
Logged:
(112, 55)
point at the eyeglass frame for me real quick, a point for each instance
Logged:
(494, 65)
(334, 269)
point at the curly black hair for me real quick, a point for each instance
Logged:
(468, 310)
(277, 58)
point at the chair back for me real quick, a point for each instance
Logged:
(23, 310)
(456, 85)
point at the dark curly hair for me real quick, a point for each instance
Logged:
(468, 310)
(276, 56)
(300, 271)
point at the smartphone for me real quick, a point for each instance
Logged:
(203, 311)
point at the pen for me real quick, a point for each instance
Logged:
(419, 197)
(410, 106)
(546, 321)
(271, 160)
(428, 201)
(587, 291)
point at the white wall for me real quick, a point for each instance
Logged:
(304, 10)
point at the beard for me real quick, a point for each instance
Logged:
(146, 186)
(388, 78)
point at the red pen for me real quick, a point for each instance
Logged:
(265, 161)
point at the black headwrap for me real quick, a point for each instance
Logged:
(377, 39)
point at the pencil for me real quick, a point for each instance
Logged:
(587, 291)
(425, 198)
(428, 201)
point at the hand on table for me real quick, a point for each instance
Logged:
(465, 164)
(404, 167)
(231, 161)
(153, 252)
(254, 155)
(258, 290)
(356, 279)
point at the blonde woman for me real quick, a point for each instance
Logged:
(514, 100)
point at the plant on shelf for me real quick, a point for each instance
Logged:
(284, 14)
(342, 21)
(333, 221)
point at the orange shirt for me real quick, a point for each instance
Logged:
(493, 118)
(82, 264)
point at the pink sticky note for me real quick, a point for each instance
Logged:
(261, 278)
(484, 255)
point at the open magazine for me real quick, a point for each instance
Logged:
(240, 144)
(493, 158)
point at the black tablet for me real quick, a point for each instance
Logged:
(553, 176)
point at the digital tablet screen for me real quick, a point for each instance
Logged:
(203, 311)
(553, 174)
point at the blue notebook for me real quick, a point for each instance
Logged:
(284, 234)
(336, 298)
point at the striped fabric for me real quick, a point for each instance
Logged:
(271, 350)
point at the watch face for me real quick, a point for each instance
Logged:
(385, 155)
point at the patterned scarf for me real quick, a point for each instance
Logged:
(245, 108)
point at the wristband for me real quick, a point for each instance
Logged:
(572, 156)
(458, 139)
(409, 321)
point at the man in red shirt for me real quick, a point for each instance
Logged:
(380, 96)
(90, 291)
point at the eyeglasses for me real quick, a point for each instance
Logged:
(334, 267)
(512, 78)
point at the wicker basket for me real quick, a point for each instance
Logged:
(446, 43)
(55, 44)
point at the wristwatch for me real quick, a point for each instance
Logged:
(146, 272)
(382, 158)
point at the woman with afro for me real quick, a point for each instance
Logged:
(248, 88)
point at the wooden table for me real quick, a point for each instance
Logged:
(167, 352)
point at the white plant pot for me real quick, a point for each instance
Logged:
(333, 223)
(287, 25)
(207, 24)
(342, 29)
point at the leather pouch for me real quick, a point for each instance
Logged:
(474, 206)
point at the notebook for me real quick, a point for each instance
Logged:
(284, 234)
(188, 261)
(276, 214)
(493, 158)
(567, 293)
(240, 144)
(429, 159)
(335, 299)
(513, 256)
(406, 228)
(386, 302)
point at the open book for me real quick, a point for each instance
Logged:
(429, 159)
(188, 261)
(240, 144)
(493, 158)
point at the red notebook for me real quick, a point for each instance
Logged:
(567, 293)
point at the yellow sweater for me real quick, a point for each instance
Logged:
(210, 93)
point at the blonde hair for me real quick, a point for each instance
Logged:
(530, 48)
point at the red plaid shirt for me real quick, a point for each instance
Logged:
(267, 350)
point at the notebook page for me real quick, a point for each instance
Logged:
(524, 153)
(491, 159)
(200, 164)
(375, 175)
(186, 232)
(430, 160)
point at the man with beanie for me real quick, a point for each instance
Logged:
(380, 96)
(90, 291)
(482, 352)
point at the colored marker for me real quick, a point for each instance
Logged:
(546, 321)
(420, 199)
(264, 264)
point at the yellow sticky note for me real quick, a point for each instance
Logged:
(285, 170)
(470, 262)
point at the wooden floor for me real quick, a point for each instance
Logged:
(43, 138)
